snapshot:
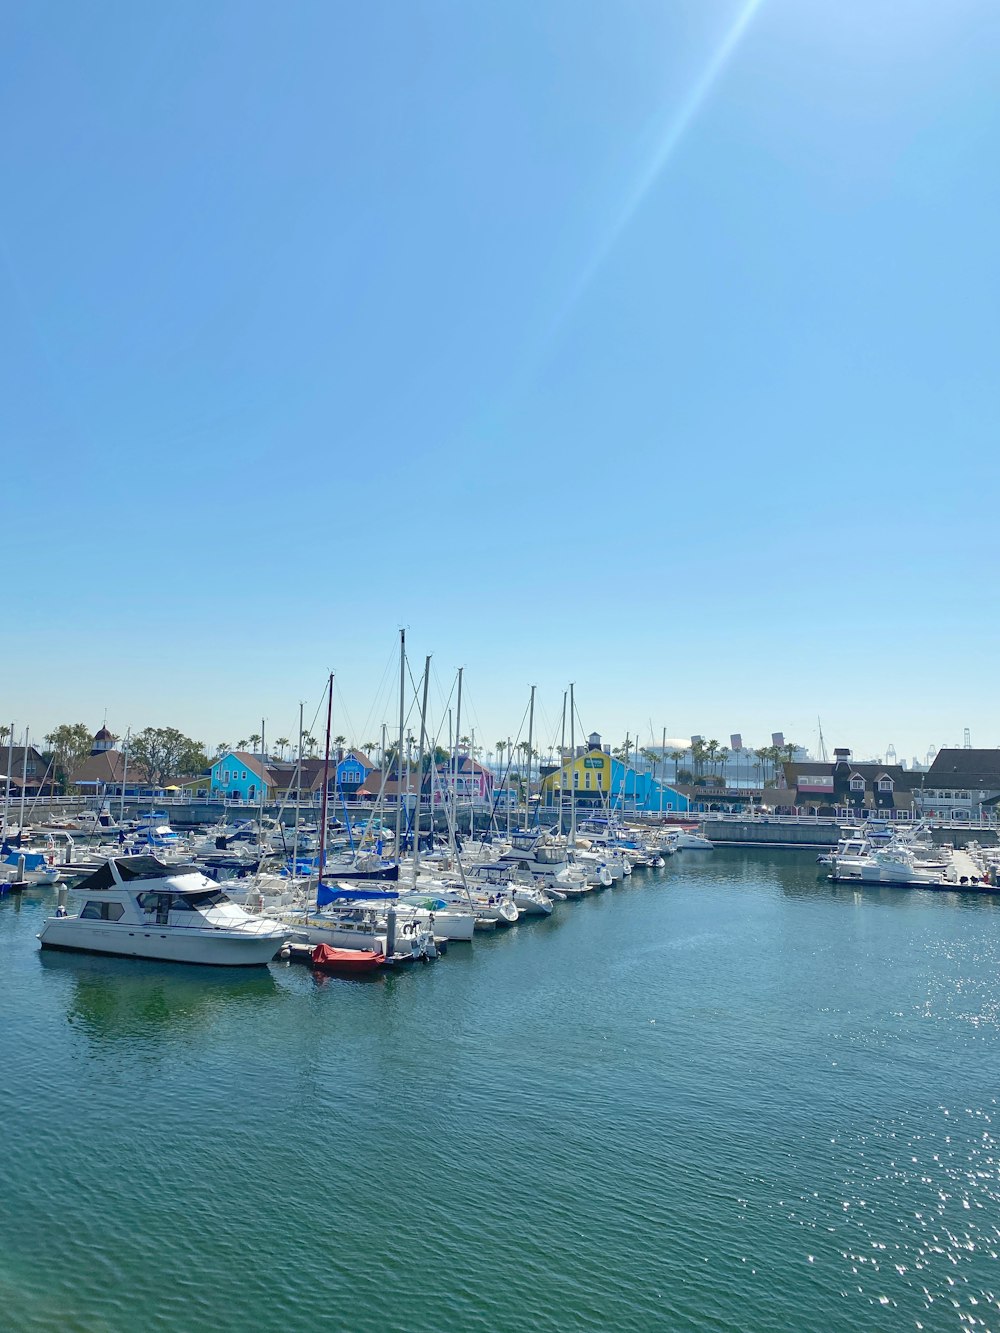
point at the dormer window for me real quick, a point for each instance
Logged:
(857, 783)
(885, 783)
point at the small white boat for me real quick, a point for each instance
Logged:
(687, 840)
(138, 907)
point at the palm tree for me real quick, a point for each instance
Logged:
(711, 750)
(222, 747)
(255, 740)
(281, 745)
(722, 757)
(500, 747)
(242, 745)
(309, 743)
(677, 756)
(698, 755)
(340, 740)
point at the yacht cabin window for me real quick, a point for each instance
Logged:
(95, 911)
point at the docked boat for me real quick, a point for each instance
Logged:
(689, 840)
(27, 867)
(352, 962)
(138, 907)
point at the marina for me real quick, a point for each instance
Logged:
(719, 1052)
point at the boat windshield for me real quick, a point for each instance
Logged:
(183, 902)
(198, 902)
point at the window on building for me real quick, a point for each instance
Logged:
(885, 784)
(587, 783)
(600, 777)
(244, 775)
(857, 784)
(225, 776)
(576, 777)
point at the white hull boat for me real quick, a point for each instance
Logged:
(138, 907)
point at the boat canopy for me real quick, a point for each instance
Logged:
(129, 868)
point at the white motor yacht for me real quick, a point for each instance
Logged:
(138, 907)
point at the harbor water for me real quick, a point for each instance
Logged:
(724, 1095)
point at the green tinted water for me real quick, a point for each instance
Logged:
(727, 1095)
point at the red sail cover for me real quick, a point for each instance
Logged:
(344, 960)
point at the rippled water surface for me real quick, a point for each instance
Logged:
(725, 1096)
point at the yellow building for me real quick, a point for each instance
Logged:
(589, 775)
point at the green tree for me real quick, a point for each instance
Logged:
(677, 756)
(281, 745)
(69, 744)
(255, 740)
(437, 756)
(500, 748)
(722, 758)
(223, 747)
(165, 752)
(242, 745)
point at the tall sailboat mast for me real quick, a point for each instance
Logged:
(420, 773)
(572, 768)
(6, 790)
(456, 757)
(399, 751)
(531, 750)
(326, 782)
(562, 762)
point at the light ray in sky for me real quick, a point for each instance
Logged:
(674, 132)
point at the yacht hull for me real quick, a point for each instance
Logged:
(171, 945)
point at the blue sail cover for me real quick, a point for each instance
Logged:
(32, 860)
(326, 893)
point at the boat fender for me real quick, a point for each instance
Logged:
(52, 859)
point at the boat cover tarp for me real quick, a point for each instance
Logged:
(329, 893)
(353, 960)
(32, 860)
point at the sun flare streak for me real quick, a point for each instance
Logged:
(674, 132)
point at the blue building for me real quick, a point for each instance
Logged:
(352, 772)
(631, 790)
(239, 776)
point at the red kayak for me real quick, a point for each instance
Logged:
(345, 960)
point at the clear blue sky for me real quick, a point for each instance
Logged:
(648, 345)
